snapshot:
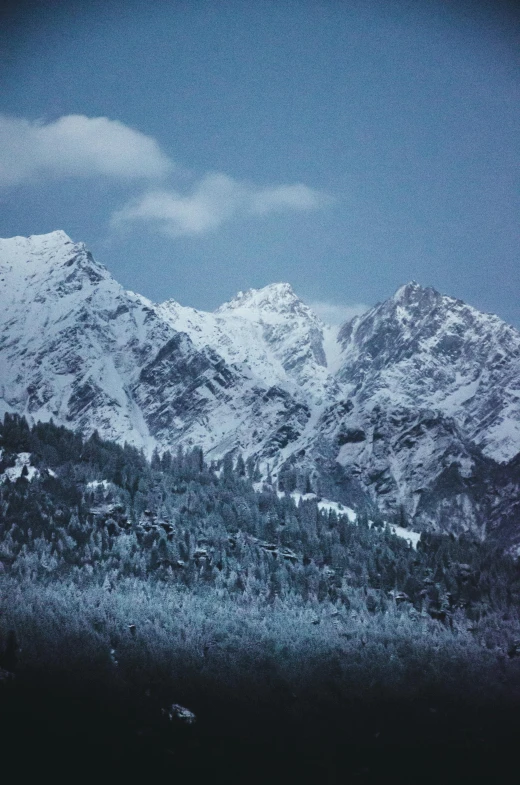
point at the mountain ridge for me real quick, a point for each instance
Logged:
(388, 407)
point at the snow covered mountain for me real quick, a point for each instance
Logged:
(78, 348)
(413, 407)
(271, 331)
(432, 390)
(421, 347)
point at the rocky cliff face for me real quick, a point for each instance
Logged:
(413, 407)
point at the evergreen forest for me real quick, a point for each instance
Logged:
(133, 590)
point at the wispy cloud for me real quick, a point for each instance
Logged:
(214, 199)
(283, 197)
(330, 313)
(77, 146)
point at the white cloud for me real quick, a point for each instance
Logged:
(216, 198)
(78, 146)
(282, 197)
(330, 313)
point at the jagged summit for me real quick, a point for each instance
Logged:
(45, 268)
(57, 237)
(403, 306)
(272, 291)
(412, 291)
(423, 347)
(271, 296)
(269, 330)
(413, 295)
(411, 286)
(17, 250)
(273, 299)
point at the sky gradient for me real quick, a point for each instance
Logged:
(201, 148)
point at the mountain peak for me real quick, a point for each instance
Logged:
(37, 241)
(38, 250)
(410, 290)
(58, 236)
(51, 264)
(275, 298)
(415, 297)
(269, 292)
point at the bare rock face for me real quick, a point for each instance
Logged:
(413, 407)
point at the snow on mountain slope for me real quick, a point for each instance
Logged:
(70, 337)
(408, 408)
(399, 454)
(271, 331)
(424, 350)
(77, 347)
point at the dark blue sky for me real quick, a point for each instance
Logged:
(345, 147)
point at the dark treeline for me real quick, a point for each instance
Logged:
(175, 580)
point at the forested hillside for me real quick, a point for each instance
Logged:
(178, 581)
